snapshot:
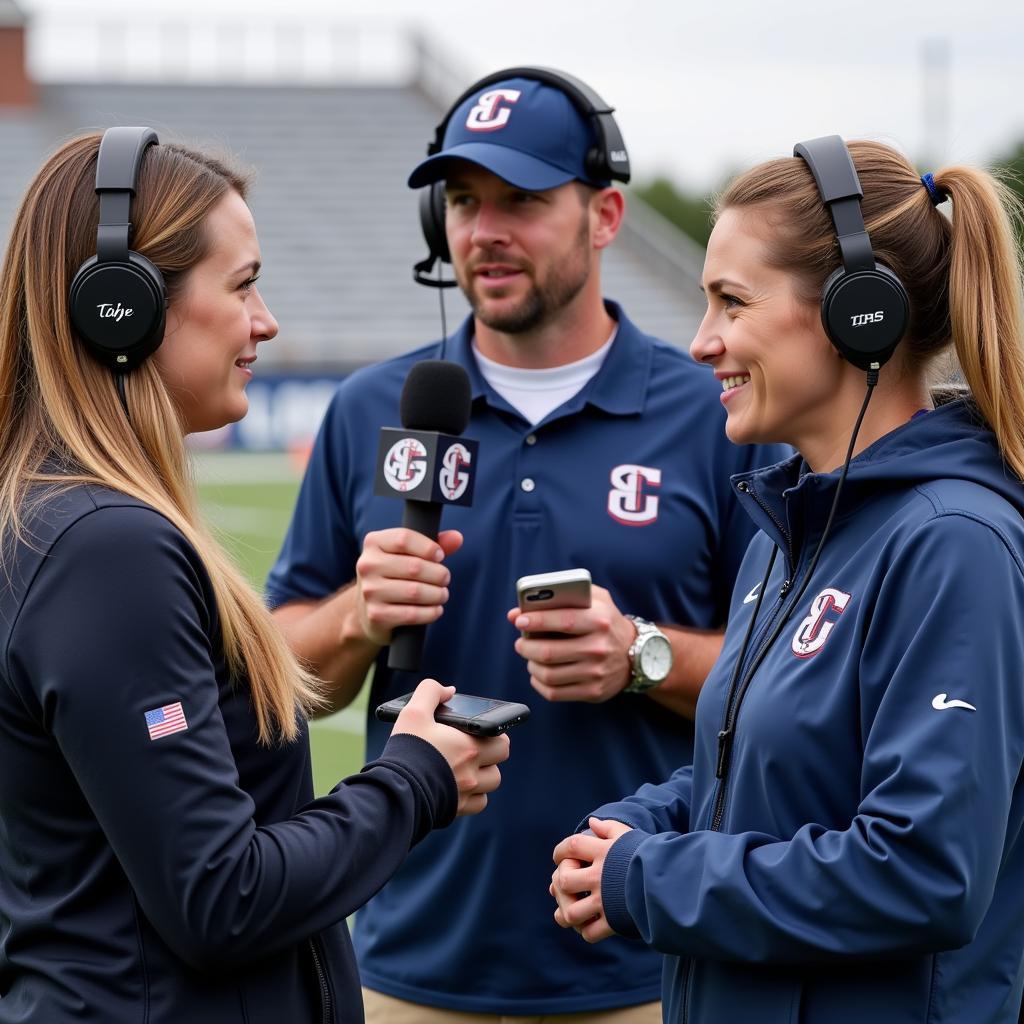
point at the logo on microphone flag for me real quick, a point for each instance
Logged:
(425, 465)
(405, 465)
(454, 477)
(166, 720)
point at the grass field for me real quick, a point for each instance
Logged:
(249, 499)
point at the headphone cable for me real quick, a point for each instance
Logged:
(440, 299)
(732, 706)
(119, 383)
(872, 381)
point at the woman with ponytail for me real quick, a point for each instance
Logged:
(162, 857)
(849, 843)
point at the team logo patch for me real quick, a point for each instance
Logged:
(811, 634)
(454, 478)
(405, 465)
(628, 500)
(492, 110)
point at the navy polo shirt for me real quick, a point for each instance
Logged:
(629, 479)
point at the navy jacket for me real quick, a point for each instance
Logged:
(157, 873)
(863, 857)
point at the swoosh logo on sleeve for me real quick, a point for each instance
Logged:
(752, 596)
(940, 703)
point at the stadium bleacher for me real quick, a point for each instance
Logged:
(338, 227)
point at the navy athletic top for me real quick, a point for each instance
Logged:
(863, 858)
(157, 864)
(629, 479)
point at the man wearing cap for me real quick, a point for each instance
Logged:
(601, 448)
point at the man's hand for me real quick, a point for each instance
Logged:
(576, 882)
(589, 662)
(401, 581)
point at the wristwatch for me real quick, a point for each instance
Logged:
(650, 655)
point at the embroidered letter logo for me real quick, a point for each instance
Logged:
(406, 464)
(488, 115)
(454, 479)
(811, 634)
(627, 501)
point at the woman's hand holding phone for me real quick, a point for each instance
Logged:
(474, 762)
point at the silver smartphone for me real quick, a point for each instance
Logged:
(567, 588)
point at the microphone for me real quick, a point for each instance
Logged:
(428, 464)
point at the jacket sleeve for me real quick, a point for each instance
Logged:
(116, 624)
(916, 868)
(652, 808)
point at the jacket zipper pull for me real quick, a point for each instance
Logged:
(724, 750)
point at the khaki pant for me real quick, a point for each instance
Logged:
(382, 1009)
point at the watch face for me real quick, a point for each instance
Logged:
(656, 658)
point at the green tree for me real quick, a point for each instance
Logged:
(1010, 169)
(691, 213)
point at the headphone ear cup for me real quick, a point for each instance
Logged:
(865, 314)
(118, 309)
(432, 207)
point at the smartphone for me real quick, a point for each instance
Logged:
(567, 588)
(479, 716)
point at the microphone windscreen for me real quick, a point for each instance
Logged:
(436, 396)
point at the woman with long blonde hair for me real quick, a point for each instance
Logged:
(161, 854)
(849, 843)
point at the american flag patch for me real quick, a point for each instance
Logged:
(163, 721)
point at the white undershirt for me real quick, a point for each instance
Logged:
(535, 393)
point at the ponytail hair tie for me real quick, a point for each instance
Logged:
(935, 194)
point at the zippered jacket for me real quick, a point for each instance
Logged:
(158, 865)
(852, 849)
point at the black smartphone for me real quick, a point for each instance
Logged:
(479, 716)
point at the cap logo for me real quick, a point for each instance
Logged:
(489, 115)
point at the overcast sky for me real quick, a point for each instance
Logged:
(701, 89)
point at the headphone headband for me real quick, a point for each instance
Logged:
(117, 179)
(832, 166)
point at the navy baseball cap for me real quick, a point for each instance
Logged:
(526, 132)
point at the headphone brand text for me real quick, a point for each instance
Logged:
(108, 311)
(867, 318)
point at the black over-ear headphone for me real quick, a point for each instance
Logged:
(864, 305)
(117, 299)
(607, 159)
